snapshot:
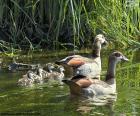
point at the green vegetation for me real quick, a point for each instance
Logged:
(55, 24)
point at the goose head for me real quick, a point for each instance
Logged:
(114, 58)
(50, 67)
(117, 57)
(30, 75)
(100, 40)
(61, 69)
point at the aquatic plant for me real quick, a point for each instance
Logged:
(51, 24)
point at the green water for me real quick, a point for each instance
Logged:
(53, 100)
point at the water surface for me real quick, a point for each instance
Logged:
(54, 100)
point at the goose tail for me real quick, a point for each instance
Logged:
(58, 62)
(64, 61)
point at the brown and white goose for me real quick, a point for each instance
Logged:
(91, 87)
(90, 67)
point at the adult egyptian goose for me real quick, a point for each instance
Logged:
(90, 67)
(91, 87)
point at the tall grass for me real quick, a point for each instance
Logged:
(54, 24)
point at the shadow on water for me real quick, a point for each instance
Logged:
(54, 100)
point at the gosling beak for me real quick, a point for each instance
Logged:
(125, 59)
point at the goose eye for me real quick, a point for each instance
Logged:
(117, 54)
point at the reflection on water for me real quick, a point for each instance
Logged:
(54, 100)
(84, 106)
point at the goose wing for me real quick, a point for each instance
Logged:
(75, 60)
(85, 82)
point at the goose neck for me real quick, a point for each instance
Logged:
(40, 74)
(110, 76)
(96, 49)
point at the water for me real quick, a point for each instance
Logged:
(54, 100)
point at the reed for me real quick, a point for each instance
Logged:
(55, 24)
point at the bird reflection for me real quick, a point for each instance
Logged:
(99, 105)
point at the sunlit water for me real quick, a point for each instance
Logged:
(53, 100)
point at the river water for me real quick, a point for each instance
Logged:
(53, 100)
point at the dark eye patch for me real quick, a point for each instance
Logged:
(117, 54)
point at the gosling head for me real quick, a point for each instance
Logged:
(100, 39)
(30, 75)
(50, 67)
(61, 69)
(117, 57)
